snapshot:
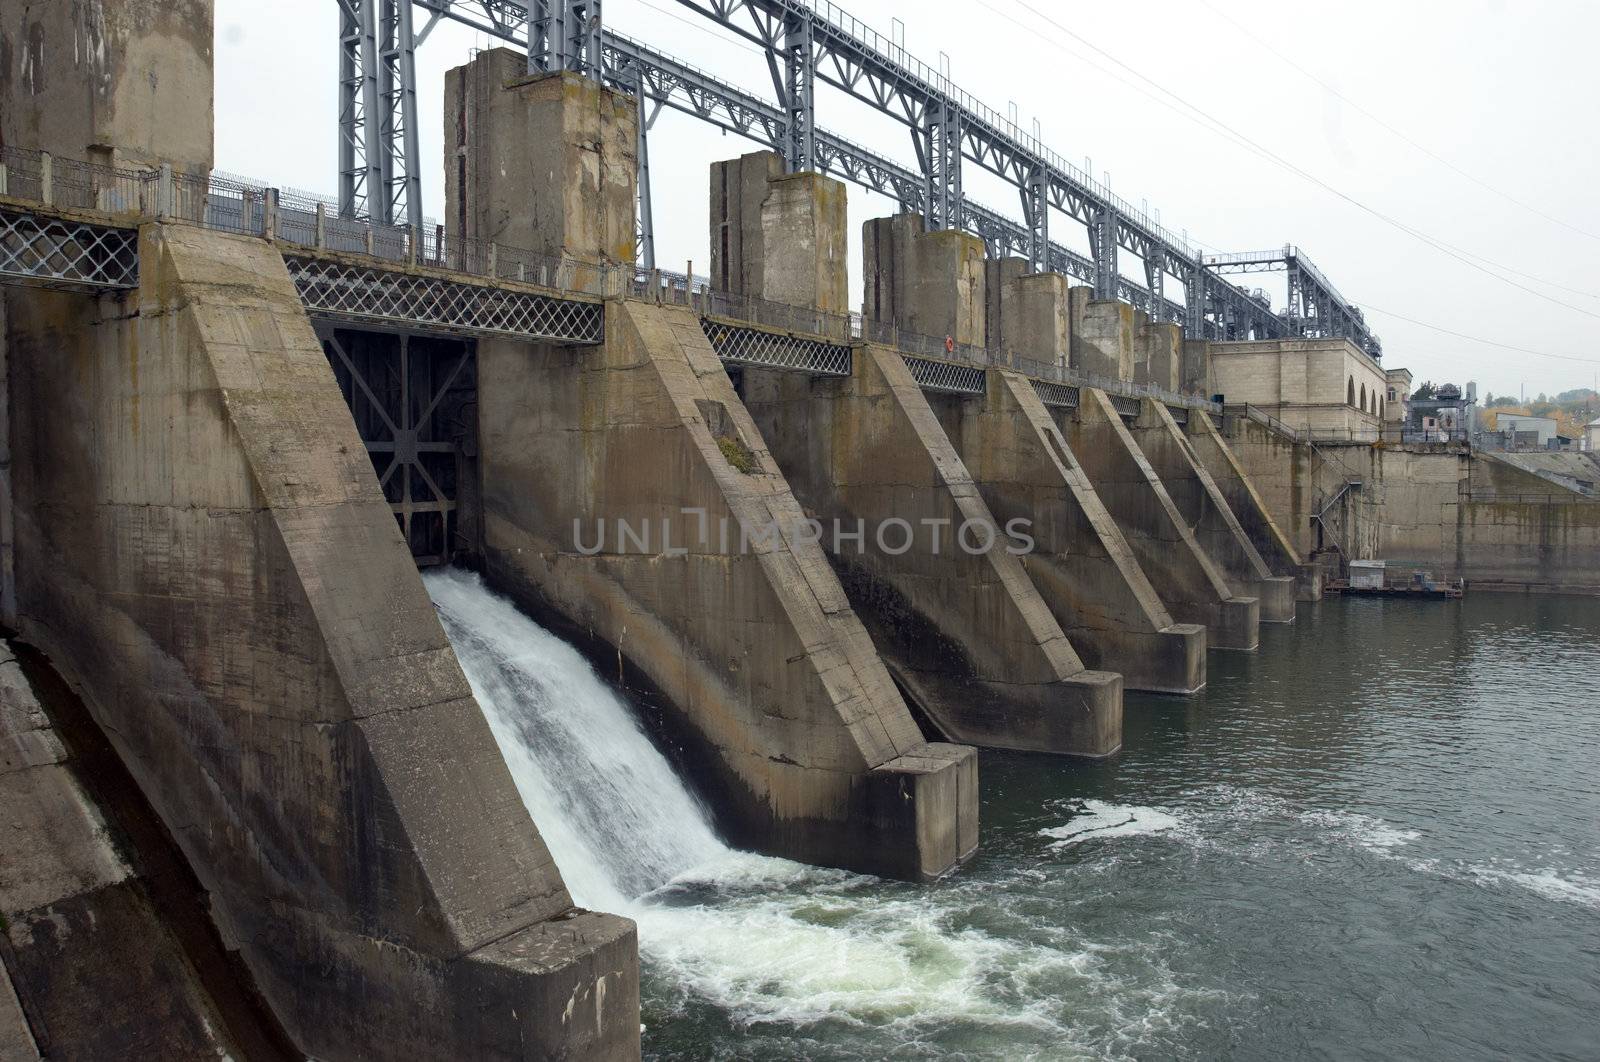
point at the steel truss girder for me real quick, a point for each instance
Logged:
(847, 60)
(56, 252)
(841, 59)
(344, 291)
(1316, 309)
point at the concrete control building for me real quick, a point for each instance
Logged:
(1325, 387)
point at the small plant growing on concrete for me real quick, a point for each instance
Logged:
(737, 453)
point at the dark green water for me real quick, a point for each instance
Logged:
(1376, 838)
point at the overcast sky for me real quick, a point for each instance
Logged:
(1468, 124)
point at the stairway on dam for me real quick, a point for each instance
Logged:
(206, 534)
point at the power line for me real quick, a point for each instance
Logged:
(1435, 156)
(1479, 339)
(1459, 254)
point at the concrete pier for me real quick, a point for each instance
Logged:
(203, 549)
(1193, 588)
(1027, 313)
(1082, 565)
(1207, 512)
(962, 627)
(627, 493)
(1102, 334)
(928, 283)
(779, 236)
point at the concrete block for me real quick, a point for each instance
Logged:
(782, 237)
(929, 283)
(123, 82)
(546, 163)
(1028, 315)
(1102, 335)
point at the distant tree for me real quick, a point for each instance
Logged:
(1426, 391)
(1541, 400)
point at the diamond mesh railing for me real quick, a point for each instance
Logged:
(948, 376)
(776, 350)
(333, 288)
(1059, 395)
(67, 253)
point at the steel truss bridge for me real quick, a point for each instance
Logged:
(804, 42)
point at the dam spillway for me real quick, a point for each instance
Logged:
(237, 419)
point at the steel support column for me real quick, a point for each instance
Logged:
(1036, 212)
(644, 215)
(799, 96)
(397, 96)
(360, 153)
(1155, 279)
(564, 35)
(941, 155)
(1103, 240)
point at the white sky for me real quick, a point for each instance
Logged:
(1501, 89)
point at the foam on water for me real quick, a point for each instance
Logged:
(1095, 820)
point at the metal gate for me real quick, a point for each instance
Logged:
(414, 400)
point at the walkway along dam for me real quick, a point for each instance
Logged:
(239, 423)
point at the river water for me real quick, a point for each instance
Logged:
(1378, 837)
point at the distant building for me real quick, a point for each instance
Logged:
(1523, 432)
(1591, 436)
(1449, 416)
(1397, 400)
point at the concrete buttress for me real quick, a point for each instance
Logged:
(962, 627)
(627, 488)
(203, 548)
(1207, 512)
(1189, 582)
(1081, 564)
(772, 686)
(1265, 533)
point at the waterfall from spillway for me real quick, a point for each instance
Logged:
(756, 939)
(617, 820)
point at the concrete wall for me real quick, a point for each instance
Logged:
(779, 236)
(109, 81)
(964, 631)
(1083, 567)
(202, 546)
(1205, 509)
(1458, 514)
(1027, 313)
(541, 162)
(1191, 585)
(1102, 335)
(930, 283)
(1306, 383)
(795, 726)
(1194, 373)
(1158, 353)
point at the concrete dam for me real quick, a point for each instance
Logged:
(395, 612)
